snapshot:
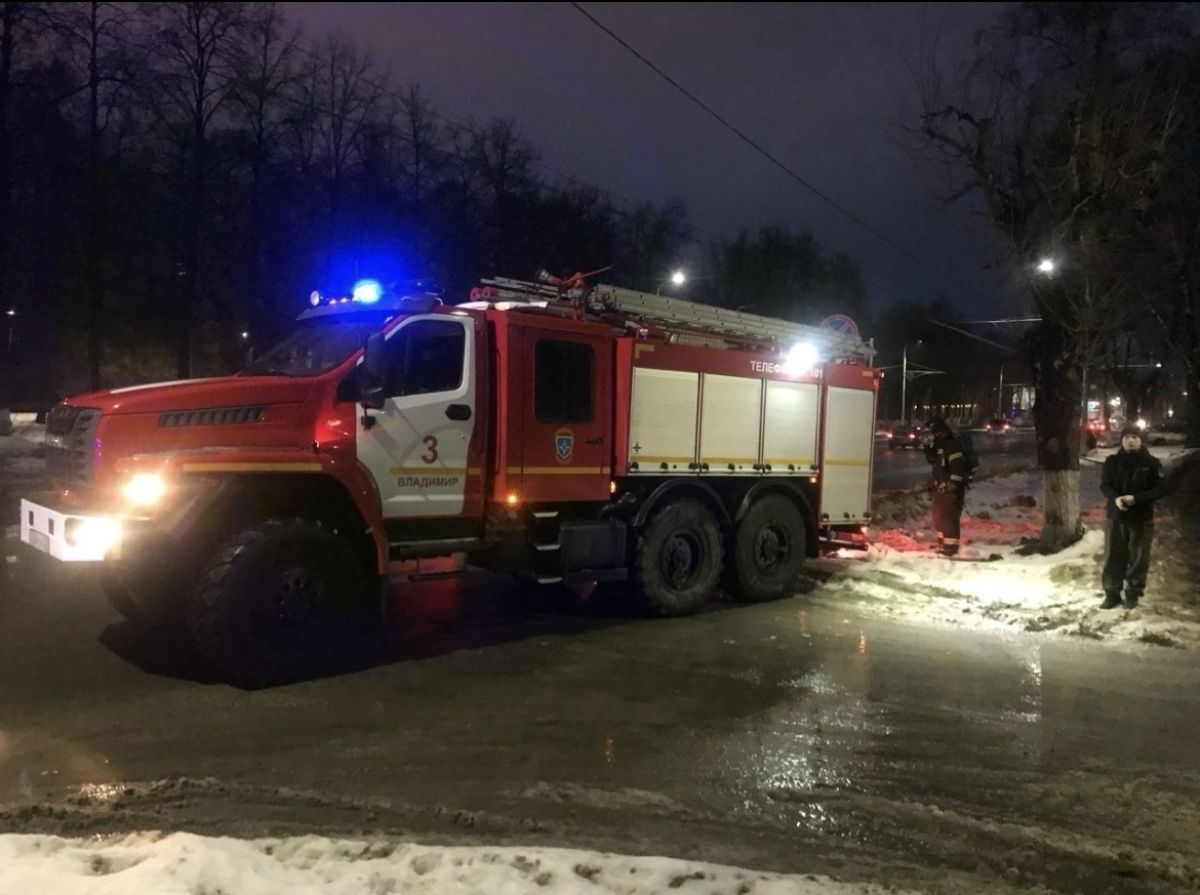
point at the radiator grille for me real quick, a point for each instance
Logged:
(70, 446)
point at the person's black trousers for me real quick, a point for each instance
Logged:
(947, 513)
(1126, 556)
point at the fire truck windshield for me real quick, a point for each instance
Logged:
(318, 345)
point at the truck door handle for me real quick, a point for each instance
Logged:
(595, 440)
(458, 411)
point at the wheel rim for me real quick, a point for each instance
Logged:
(680, 560)
(772, 548)
(298, 594)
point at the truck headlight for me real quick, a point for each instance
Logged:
(95, 535)
(145, 489)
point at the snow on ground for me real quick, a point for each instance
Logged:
(151, 863)
(899, 575)
(27, 439)
(22, 460)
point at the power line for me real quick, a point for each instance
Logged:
(1003, 320)
(816, 191)
(963, 332)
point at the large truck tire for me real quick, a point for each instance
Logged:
(768, 550)
(279, 601)
(677, 567)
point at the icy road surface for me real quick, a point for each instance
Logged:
(797, 737)
(940, 727)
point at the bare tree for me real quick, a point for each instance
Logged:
(422, 162)
(265, 68)
(648, 241)
(18, 37)
(193, 83)
(1171, 235)
(98, 41)
(347, 101)
(502, 164)
(1057, 127)
(1133, 373)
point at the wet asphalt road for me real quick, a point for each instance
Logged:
(906, 468)
(790, 736)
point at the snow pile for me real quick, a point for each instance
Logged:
(150, 863)
(22, 462)
(900, 576)
(24, 451)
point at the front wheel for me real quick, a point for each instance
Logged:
(678, 566)
(768, 550)
(278, 600)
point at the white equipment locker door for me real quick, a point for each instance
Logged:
(662, 431)
(847, 461)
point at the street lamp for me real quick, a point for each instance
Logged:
(1048, 267)
(677, 279)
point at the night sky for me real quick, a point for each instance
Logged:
(825, 87)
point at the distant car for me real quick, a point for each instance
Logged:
(998, 427)
(904, 437)
(1096, 433)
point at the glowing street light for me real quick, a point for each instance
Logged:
(677, 278)
(1047, 267)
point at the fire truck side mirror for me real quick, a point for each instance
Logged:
(372, 381)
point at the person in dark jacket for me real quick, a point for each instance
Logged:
(1132, 480)
(949, 484)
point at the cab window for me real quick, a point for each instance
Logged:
(562, 381)
(425, 357)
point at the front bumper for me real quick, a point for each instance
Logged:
(70, 535)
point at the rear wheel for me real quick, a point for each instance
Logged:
(768, 550)
(678, 566)
(279, 601)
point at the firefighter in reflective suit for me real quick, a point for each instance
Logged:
(945, 454)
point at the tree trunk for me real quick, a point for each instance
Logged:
(1057, 419)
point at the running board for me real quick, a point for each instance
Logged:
(441, 547)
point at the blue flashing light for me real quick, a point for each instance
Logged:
(367, 291)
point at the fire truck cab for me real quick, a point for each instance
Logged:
(557, 430)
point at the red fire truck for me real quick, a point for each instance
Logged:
(563, 431)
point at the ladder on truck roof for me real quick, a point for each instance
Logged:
(676, 315)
